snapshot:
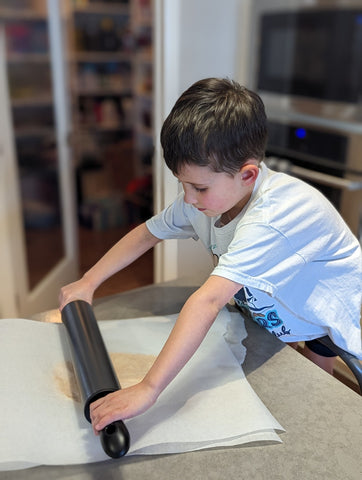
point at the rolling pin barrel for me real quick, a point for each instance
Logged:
(93, 369)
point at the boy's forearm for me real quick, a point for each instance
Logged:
(185, 338)
(128, 249)
(192, 325)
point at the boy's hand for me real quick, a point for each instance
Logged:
(121, 405)
(79, 290)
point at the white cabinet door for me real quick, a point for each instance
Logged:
(38, 246)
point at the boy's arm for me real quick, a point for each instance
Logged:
(129, 248)
(193, 323)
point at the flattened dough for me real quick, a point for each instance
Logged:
(130, 369)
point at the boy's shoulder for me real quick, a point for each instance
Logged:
(291, 206)
(285, 190)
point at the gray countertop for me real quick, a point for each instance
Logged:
(321, 416)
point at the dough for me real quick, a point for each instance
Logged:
(130, 369)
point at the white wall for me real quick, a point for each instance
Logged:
(194, 39)
(209, 39)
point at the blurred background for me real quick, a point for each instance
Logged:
(79, 92)
(84, 88)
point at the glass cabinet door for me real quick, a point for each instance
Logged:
(40, 149)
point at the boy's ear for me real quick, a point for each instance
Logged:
(249, 173)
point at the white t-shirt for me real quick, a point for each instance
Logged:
(300, 265)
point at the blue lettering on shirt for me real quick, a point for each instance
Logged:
(283, 331)
(266, 316)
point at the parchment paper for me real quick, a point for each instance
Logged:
(209, 404)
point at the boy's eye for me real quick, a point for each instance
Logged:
(200, 190)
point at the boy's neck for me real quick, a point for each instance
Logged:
(234, 211)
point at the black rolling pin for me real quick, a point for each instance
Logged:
(94, 372)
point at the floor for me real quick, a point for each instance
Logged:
(94, 244)
(44, 249)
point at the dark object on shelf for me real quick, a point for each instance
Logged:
(100, 33)
(102, 213)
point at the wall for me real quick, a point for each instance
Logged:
(193, 40)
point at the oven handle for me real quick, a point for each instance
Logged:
(325, 179)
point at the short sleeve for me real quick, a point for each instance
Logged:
(173, 222)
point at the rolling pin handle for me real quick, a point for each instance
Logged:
(115, 439)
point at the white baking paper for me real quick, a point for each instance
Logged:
(209, 404)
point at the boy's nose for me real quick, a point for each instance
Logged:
(189, 198)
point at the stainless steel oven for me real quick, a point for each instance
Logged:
(327, 158)
(306, 56)
(310, 79)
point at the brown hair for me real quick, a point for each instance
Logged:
(216, 123)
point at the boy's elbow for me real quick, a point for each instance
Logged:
(215, 293)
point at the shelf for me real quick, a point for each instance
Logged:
(10, 14)
(104, 128)
(101, 57)
(28, 57)
(126, 78)
(146, 97)
(102, 8)
(39, 131)
(144, 55)
(102, 92)
(41, 101)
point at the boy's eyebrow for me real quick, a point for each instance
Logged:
(194, 184)
(198, 185)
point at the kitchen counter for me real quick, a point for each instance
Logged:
(321, 416)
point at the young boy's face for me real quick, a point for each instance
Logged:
(214, 193)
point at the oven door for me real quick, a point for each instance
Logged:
(301, 52)
(344, 193)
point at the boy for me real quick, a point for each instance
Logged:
(282, 250)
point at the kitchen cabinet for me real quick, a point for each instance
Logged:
(142, 27)
(111, 83)
(76, 77)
